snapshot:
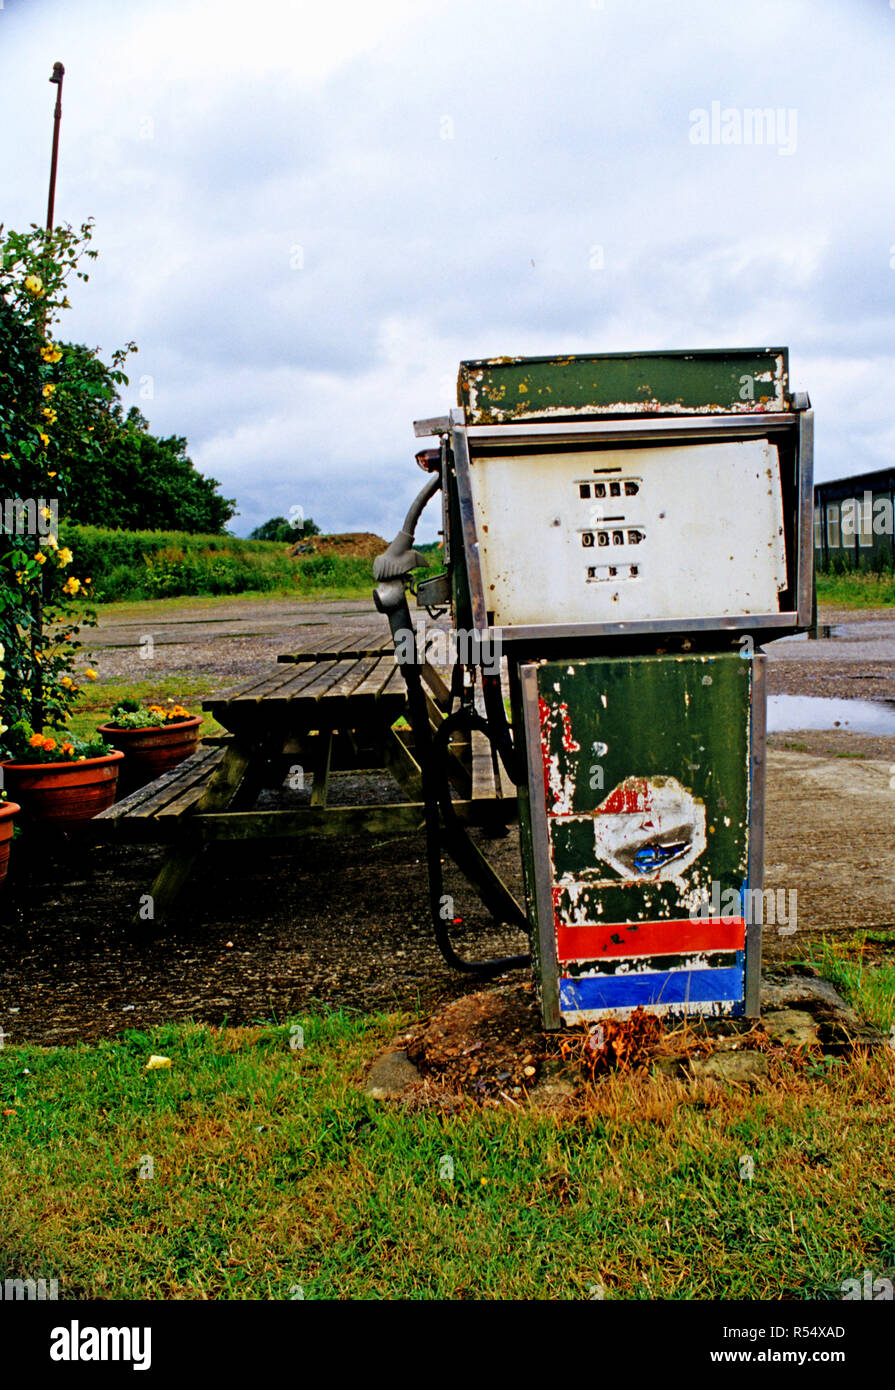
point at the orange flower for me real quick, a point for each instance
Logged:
(36, 741)
(67, 748)
(49, 744)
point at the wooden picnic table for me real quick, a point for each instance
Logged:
(330, 704)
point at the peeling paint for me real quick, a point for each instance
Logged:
(655, 848)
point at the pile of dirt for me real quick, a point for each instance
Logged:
(361, 545)
(484, 1044)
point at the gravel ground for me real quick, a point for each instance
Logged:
(264, 932)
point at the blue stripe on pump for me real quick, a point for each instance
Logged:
(667, 987)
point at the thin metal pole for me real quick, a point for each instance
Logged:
(58, 74)
(37, 683)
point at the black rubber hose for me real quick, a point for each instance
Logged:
(390, 598)
(498, 731)
(437, 749)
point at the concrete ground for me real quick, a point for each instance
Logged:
(830, 794)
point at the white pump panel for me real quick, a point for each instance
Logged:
(676, 531)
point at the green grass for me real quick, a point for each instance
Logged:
(272, 1172)
(856, 590)
(869, 988)
(99, 698)
(126, 565)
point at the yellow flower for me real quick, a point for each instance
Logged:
(34, 284)
(91, 674)
(40, 558)
(64, 557)
(66, 681)
(48, 389)
(5, 456)
(71, 585)
(44, 439)
(51, 353)
(51, 541)
(51, 475)
(49, 414)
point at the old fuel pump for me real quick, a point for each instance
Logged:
(625, 529)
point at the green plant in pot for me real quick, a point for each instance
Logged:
(153, 738)
(58, 778)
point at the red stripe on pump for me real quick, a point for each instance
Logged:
(597, 940)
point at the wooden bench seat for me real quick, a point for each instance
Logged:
(151, 813)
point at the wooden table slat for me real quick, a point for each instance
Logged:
(283, 678)
(377, 678)
(329, 676)
(356, 681)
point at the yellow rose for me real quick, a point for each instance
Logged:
(49, 414)
(64, 557)
(44, 439)
(34, 284)
(91, 674)
(40, 558)
(48, 389)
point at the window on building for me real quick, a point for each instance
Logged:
(818, 530)
(833, 537)
(865, 521)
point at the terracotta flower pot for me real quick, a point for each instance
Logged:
(8, 810)
(150, 752)
(63, 794)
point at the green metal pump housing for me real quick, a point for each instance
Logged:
(626, 530)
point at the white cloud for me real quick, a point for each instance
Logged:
(212, 141)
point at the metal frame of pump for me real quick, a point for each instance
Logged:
(460, 586)
(392, 571)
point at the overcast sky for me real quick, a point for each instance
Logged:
(308, 214)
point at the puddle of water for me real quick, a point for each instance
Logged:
(824, 633)
(788, 713)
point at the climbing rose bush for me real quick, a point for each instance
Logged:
(42, 387)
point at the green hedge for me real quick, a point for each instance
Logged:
(165, 564)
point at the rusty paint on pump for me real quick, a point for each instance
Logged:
(500, 390)
(646, 789)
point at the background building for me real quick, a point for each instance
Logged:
(853, 521)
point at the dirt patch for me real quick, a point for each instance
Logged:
(488, 1044)
(490, 1048)
(360, 545)
(829, 850)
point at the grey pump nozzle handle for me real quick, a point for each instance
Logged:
(401, 558)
